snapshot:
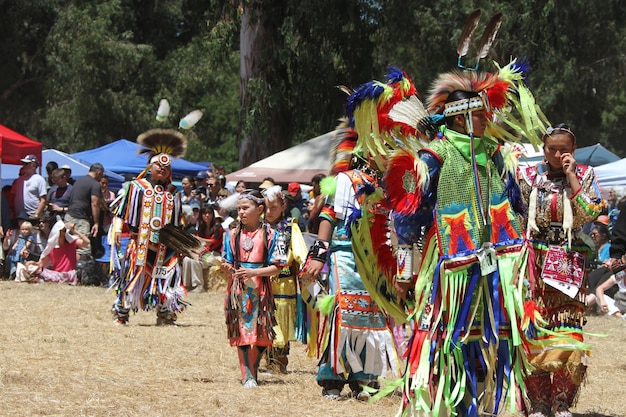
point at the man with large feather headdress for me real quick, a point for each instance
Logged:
(149, 276)
(455, 205)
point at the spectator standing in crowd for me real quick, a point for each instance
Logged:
(5, 210)
(292, 251)
(59, 194)
(220, 173)
(267, 183)
(249, 260)
(315, 204)
(188, 193)
(554, 231)
(106, 216)
(295, 203)
(200, 187)
(29, 190)
(241, 186)
(68, 174)
(213, 188)
(50, 166)
(150, 276)
(85, 204)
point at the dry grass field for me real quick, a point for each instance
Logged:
(63, 356)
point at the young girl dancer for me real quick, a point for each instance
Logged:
(249, 260)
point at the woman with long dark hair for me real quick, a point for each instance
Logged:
(561, 196)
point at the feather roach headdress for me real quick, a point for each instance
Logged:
(162, 141)
(160, 145)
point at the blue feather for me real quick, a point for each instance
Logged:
(514, 195)
(394, 74)
(354, 216)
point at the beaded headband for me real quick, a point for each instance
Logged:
(551, 130)
(258, 200)
(467, 105)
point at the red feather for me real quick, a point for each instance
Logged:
(402, 183)
(379, 232)
(497, 94)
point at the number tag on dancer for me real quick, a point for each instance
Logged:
(281, 249)
(487, 258)
(159, 272)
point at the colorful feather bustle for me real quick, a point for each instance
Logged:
(342, 153)
(368, 110)
(406, 179)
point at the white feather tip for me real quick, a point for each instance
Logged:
(190, 120)
(163, 111)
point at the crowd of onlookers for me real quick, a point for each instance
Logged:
(606, 290)
(71, 217)
(48, 226)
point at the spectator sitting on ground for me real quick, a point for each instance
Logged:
(58, 259)
(197, 274)
(41, 235)
(17, 244)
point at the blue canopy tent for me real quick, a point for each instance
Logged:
(594, 155)
(79, 168)
(121, 156)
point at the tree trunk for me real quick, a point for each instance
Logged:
(265, 121)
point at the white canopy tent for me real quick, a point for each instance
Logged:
(613, 174)
(296, 164)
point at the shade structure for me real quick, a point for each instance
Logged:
(14, 146)
(121, 157)
(296, 164)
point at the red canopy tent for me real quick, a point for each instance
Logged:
(14, 146)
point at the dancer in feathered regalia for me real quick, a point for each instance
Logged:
(358, 346)
(292, 250)
(456, 203)
(149, 277)
(562, 196)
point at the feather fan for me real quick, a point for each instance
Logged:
(410, 112)
(187, 244)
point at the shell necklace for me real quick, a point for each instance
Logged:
(248, 242)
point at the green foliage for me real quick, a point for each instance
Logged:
(79, 74)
